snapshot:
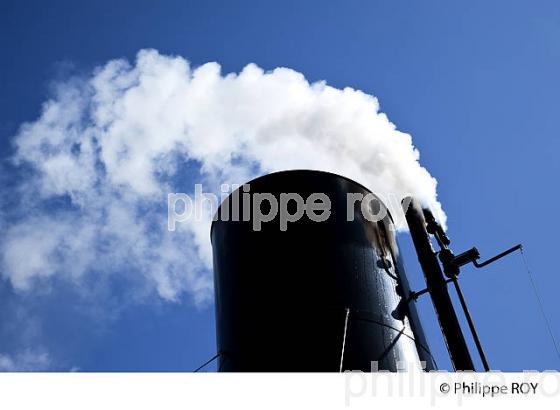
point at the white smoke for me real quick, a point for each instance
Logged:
(25, 361)
(107, 149)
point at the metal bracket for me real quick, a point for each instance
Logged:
(452, 263)
(415, 295)
(499, 256)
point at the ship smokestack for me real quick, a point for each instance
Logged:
(316, 296)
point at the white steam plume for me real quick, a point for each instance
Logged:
(107, 149)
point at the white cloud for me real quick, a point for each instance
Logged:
(25, 361)
(113, 144)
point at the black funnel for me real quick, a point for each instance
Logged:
(289, 300)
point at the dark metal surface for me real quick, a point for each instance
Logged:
(290, 301)
(437, 285)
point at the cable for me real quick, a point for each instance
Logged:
(344, 339)
(356, 317)
(541, 306)
(207, 362)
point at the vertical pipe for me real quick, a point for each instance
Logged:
(471, 325)
(437, 286)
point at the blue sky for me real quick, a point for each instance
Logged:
(474, 84)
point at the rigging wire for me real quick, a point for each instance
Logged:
(344, 339)
(540, 303)
(207, 362)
